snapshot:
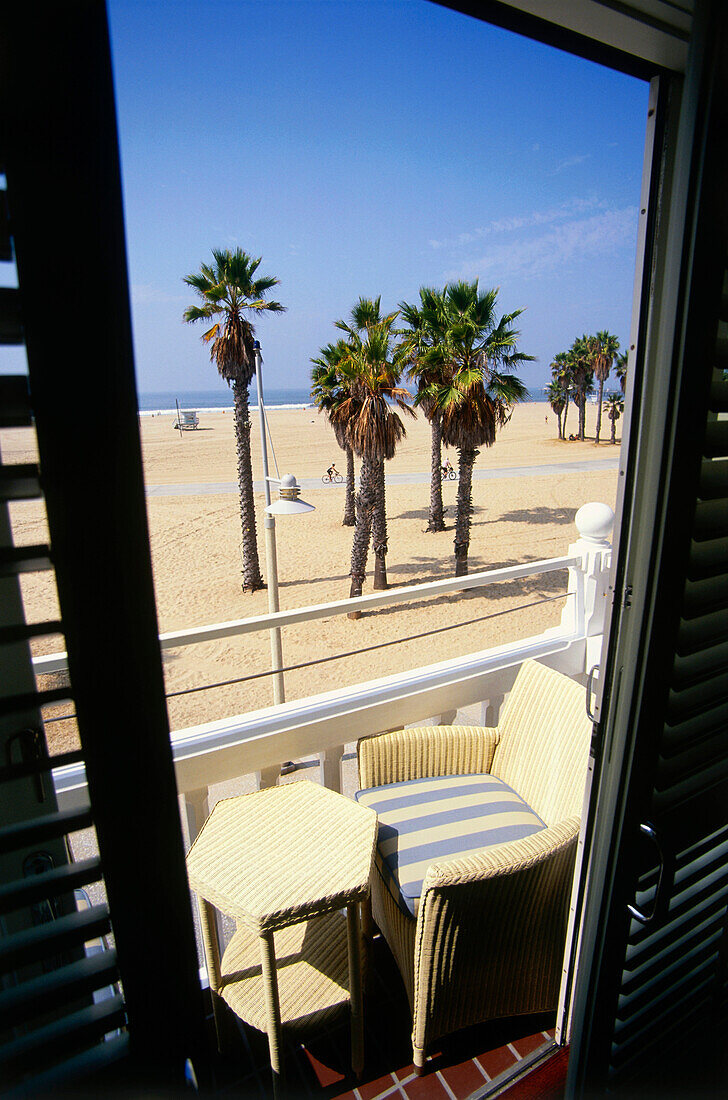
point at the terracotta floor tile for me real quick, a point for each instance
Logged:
(427, 1087)
(463, 1079)
(496, 1061)
(529, 1043)
(382, 1085)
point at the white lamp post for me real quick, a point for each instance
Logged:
(287, 504)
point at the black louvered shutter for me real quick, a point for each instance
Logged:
(60, 1003)
(651, 990)
(71, 1004)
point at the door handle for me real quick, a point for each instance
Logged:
(639, 914)
(590, 692)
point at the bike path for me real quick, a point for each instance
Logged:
(551, 469)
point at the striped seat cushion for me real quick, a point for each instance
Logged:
(422, 821)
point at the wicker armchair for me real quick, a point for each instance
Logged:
(488, 937)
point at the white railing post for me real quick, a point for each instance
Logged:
(330, 764)
(491, 708)
(267, 777)
(197, 811)
(589, 580)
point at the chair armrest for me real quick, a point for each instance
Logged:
(512, 858)
(424, 753)
(490, 932)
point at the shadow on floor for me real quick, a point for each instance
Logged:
(458, 1066)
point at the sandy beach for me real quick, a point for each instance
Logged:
(195, 540)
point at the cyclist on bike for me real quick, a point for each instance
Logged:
(447, 468)
(332, 472)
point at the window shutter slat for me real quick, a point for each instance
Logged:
(71, 1033)
(58, 988)
(29, 834)
(15, 411)
(36, 944)
(28, 891)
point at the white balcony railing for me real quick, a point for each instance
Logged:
(258, 741)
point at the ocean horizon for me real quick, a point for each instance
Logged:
(165, 401)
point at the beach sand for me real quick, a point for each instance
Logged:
(195, 541)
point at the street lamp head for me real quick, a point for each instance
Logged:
(289, 502)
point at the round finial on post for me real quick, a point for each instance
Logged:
(594, 522)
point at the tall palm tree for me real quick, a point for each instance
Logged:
(372, 427)
(230, 294)
(557, 399)
(328, 390)
(614, 407)
(366, 316)
(581, 354)
(605, 347)
(479, 391)
(426, 331)
(620, 369)
(562, 377)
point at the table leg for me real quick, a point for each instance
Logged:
(272, 1004)
(355, 988)
(211, 942)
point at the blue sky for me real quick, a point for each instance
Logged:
(367, 148)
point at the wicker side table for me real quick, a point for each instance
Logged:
(284, 862)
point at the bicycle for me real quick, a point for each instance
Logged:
(449, 475)
(335, 479)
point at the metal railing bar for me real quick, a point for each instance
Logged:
(364, 649)
(55, 662)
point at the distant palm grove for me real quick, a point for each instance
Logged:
(461, 356)
(590, 359)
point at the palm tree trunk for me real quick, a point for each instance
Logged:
(599, 409)
(379, 526)
(349, 519)
(561, 430)
(614, 430)
(466, 461)
(252, 578)
(362, 532)
(437, 520)
(582, 414)
(566, 410)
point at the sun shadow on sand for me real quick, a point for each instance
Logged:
(542, 584)
(540, 515)
(423, 514)
(314, 580)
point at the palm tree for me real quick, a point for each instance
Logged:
(478, 391)
(328, 389)
(229, 294)
(562, 377)
(605, 347)
(426, 330)
(372, 427)
(366, 316)
(620, 369)
(614, 407)
(581, 355)
(557, 399)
